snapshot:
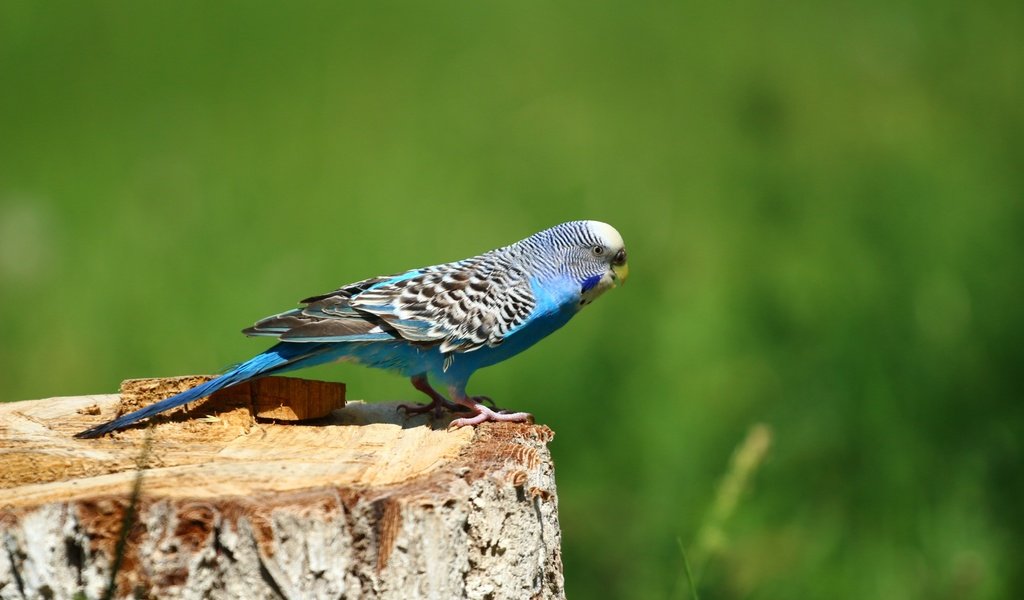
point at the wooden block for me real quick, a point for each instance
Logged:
(282, 398)
(292, 399)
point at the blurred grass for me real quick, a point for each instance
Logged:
(822, 203)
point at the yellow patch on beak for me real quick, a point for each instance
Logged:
(621, 273)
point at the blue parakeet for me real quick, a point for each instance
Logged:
(443, 322)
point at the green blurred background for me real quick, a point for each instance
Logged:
(822, 204)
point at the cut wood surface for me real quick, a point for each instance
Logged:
(361, 502)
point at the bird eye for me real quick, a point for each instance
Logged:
(598, 250)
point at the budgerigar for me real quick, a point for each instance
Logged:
(443, 322)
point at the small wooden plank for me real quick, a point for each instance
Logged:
(292, 399)
(281, 398)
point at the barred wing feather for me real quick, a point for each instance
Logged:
(465, 305)
(462, 306)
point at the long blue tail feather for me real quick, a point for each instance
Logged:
(282, 357)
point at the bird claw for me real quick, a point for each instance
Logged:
(484, 414)
(488, 401)
(437, 408)
(438, 404)
(412, 410)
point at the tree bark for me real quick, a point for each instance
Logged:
(360, 503)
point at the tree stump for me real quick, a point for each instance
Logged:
(361, 502)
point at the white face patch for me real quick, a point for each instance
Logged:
(607, 234)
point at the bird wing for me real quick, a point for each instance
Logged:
(462, 306)
(327, 318)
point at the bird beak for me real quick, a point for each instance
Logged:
(620, 273)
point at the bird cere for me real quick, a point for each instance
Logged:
(441, 322)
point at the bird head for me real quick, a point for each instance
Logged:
(593, 254)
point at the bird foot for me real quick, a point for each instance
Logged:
(436, 406)
(486, 400)
(486, 414)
